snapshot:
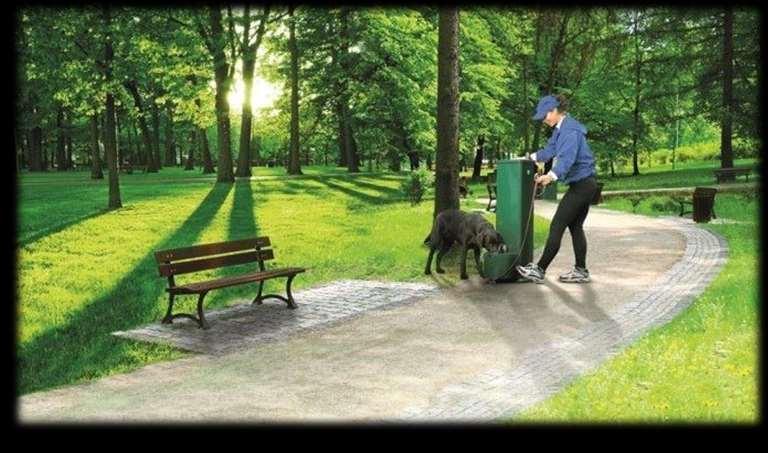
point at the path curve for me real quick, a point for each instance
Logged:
(475, 352)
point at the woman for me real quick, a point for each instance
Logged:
(574, 165)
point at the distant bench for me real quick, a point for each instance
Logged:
(173, 262)
(729, 174)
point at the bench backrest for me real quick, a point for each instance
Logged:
(196, 258)
(734, 170)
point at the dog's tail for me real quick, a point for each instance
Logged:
(428, 238)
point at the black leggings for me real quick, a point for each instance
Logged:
(571, 212)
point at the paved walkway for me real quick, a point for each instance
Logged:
(476, 352)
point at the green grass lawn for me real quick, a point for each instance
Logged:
(686, 174)
(702, 366)
(85, 272)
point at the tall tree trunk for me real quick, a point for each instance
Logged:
(170, 140)
(478, 164)
(60, 165)
(341, 137)
(119, 143)
(526, 110)
(348, 143)
(446, 171)
(146, 136)
(137, 157)
(95, 158)
(33, 149)
(21, 138)
(223, 82)
(636, 111)
(256, 150)
(190, 164)
(109, 122)
(68, 139)
(156, 134)
(726, 145)
(47, 154)
(249, 63)
(129, 138)
(205, 151)
(294, 167)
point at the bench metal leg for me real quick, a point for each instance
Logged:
(200, 319)
(291, 304)
(258, 298)
(168, 318)
(288, 300)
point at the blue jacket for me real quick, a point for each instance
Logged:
(573, 158)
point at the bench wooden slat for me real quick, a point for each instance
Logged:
(194, 288)
(734, 170)
(184, 267)
(217, 248)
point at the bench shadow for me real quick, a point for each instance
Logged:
(83, 346)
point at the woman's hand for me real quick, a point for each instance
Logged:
(543, 180)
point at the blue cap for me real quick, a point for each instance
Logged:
(546, 104)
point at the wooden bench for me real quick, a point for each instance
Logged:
(491, 186)
(729, 174)
(699, 191)
(174, 262)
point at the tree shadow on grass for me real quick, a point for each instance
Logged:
(83, 347)
(69, 206)
(366, 200)
(60, 226)
(242, 225)
(391, 192)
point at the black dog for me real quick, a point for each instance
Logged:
(471, 231)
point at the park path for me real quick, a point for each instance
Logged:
(474, 352)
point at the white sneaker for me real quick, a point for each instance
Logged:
(531, 272)
(576, 275)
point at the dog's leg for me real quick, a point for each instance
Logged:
(428, 269)
(463, 263)
(477, 261)
(440, 254)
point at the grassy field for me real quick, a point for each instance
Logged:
(84, 272)
(702, 366)
(686, 174)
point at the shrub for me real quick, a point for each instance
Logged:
(416, 184)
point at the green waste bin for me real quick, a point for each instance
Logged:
(514, 195)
